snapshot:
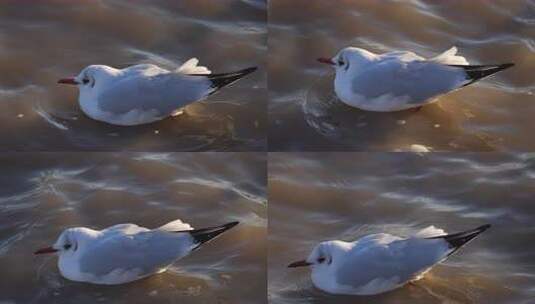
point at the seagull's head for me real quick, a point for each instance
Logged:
(323, 256)
(348, 59)
(91, 77)
(69, 242)
(324, 261)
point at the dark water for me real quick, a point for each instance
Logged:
(322, 196)
(44, 193)
(495, 114)
(48, 40)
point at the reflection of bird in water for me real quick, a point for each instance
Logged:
(397, 81)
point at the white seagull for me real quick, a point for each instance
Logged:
(145, 93)
(126, 252)
(401, 80)
(379, 263)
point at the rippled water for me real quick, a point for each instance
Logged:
(48, 40)
(313, 196)
(495, 114)
(317, 197)
(44, 193)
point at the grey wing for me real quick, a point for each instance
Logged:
(365, 266)
(418, 80)
(145, 251)
(127, 228)
(163, 93)
(399, 261)
(405, 56)
(144, 68)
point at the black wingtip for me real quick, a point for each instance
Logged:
(203, 235)
(248, 70)
(230, 225)
(483, 227)
(506, 65)
(478, 72)
(457, 240)
(225, 79)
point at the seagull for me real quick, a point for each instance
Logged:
(145, 93)
(381, 262)
(126, 252)
(401, 80)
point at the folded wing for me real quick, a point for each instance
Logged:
(415, 81)
(144, 253)
(162, 93)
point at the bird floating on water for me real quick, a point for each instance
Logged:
(379, 263)
(145, 93)
(126, 252)
(401, 80)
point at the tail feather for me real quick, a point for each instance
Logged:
(450, 57)
(191, 67)
(175, 225)
(477, 72)
(225, 79)
(457, 240)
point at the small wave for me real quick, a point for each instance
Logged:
(258, 4)
(222, 184)
(6, 244)
(426, 202)
(48, 118)
(17, 91)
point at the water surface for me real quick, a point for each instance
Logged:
(494, 114)
(325, 196)
(44, 193)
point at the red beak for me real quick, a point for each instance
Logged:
(326, 60)
(68, 81)
(302, 263)
(46, 250)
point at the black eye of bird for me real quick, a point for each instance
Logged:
(85, 80)
(321, 260)
(67, 246)
(340, 62)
